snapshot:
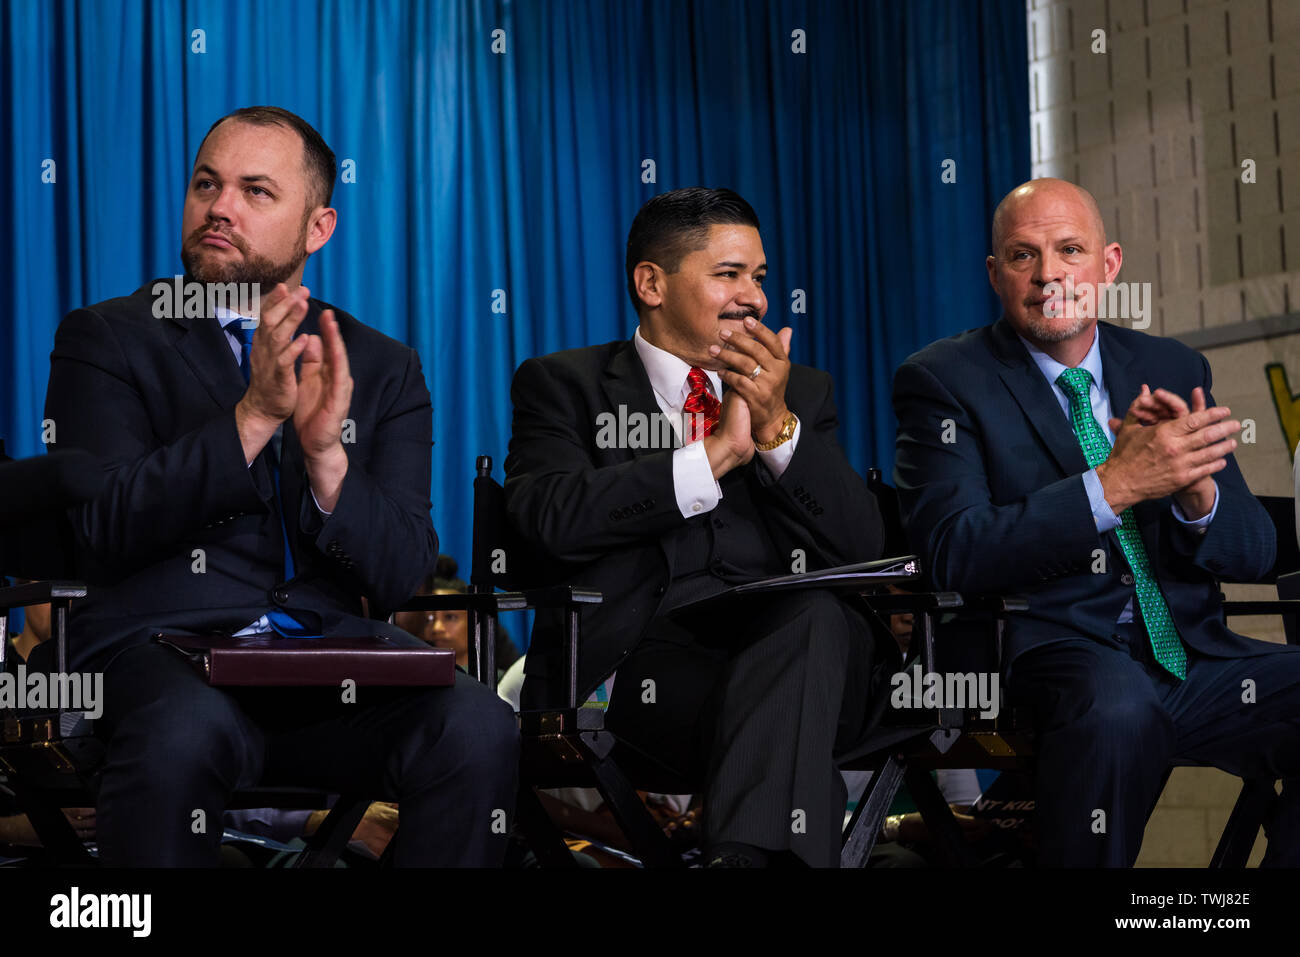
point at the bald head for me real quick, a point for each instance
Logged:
(1034, 194)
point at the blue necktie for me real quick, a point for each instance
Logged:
(284, 623)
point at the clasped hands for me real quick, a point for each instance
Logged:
(1164, 447)
(317, 394)
(753, 408)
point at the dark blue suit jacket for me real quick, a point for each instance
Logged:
(989, 472)
(155, 399)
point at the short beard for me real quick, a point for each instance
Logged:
(251, 269)
(1040, 328)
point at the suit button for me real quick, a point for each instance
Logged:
(660, 590)
(614, 516)
(281, 595)
(1126, 578)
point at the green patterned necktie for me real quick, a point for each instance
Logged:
(1159, 623)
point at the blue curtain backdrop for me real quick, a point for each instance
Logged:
(520, 171)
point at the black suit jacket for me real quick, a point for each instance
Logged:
(603, 517)
(183, 534)
(989, 479)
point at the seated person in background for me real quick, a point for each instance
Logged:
(1016, 475)
(36, 629)
(450, 629)
(723, 487)
(233, 504)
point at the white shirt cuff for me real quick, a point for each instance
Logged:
(317, 501)
(778, 459)
(696, 489)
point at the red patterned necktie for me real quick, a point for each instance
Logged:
(702, 408)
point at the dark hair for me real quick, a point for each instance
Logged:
(317, 157)
(673, 224)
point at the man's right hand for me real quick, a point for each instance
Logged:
(1152, 461)
(730, 444)
(273, 383)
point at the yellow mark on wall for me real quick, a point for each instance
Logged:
(1288, 404)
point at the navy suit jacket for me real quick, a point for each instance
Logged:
(604, 518)
(184, 534)
(989, 472)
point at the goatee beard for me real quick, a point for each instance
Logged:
(253, 269)
(1042, 330)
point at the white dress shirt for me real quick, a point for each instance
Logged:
(694, 486)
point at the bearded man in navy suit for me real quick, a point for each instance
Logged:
(1017, 474)
(233, 503)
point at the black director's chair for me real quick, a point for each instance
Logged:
(568, 747)
(49, 759)
(1007, 742)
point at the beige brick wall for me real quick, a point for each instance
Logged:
(1158, 127)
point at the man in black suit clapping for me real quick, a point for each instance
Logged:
(234, 503)
(664, 469)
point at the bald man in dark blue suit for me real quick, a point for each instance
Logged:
(1015, 473)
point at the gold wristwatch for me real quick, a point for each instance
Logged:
(785, 435)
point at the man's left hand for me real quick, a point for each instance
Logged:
(768, 352)
(324, 396)
(1148, 408)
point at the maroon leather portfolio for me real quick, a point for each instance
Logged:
(270, 660)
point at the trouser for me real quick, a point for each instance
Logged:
(177, 749)
(1109, 721)
(757, 705)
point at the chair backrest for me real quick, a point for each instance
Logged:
(1281, 509)
(890, 514)
(500, 558)
(35, 535)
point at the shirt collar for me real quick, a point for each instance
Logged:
(224, 315)
(1052, 369)
(668, 373)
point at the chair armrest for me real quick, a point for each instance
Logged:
(468, 601)
(996, 605)
(1267, 607)
(36, 593)
(561, 596)
(914, 601)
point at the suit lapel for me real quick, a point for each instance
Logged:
(627, 388)
(205, 348)
(1037, 400)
